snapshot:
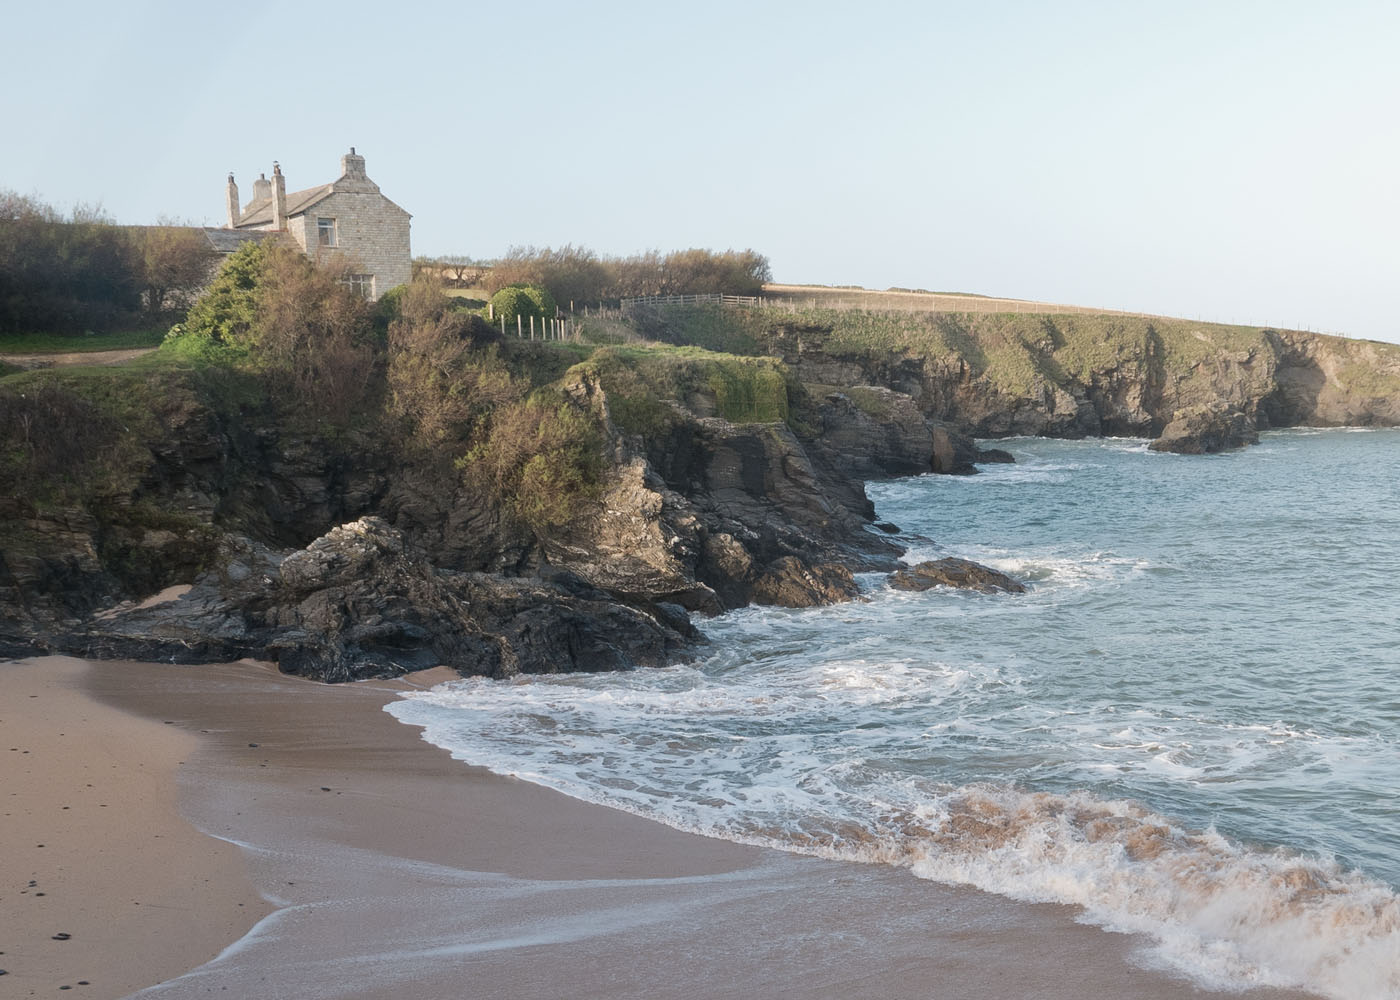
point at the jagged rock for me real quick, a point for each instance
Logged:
(700, 517)
(871, 431)
(952, 572)
(357, 603)
(790, 583)
(1205, 430)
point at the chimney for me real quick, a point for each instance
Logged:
(233, 213)
(352, 165)
(262, 189)
(279, 198)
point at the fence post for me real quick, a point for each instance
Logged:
(519, 331)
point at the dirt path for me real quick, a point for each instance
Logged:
(75, 358)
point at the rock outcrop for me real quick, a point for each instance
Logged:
(952, 572)
(1205, 430)
(359, 602)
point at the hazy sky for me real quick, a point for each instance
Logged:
(1232, 161)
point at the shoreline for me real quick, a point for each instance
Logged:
(391, 869)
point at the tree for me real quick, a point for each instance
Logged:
(64, 274)
(175, 264)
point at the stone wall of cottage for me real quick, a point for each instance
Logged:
(370, 230)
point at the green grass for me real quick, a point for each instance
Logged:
(59, 343)
(643, 380)
(1018, 354)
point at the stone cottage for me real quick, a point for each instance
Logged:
(348, 218)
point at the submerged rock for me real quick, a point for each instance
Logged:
(1205, 430)
(951, 572)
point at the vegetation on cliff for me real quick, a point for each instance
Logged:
(666, 459)
(80, 272)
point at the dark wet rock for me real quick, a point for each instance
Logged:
(1205, 430)
(358, 603)
(790, 583)
(996, 456)
(952, 572)
(887, 527)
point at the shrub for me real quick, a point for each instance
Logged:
(523, 301)
(749, 392)
(541, 460)
(226, 312)
(437, 386)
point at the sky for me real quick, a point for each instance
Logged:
(1228, 161)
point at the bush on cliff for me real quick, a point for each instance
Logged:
(273, 311)
(540, 457)
(438, 385)
(523, 302)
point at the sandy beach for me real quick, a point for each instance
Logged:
(227, 829)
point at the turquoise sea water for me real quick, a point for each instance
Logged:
(1189, 727)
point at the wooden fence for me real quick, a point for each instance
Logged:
(687, 300)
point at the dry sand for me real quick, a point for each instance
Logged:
(95, 848)
(390, 870)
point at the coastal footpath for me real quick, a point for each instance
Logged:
(505, 506)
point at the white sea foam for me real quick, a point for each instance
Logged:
(1221, 913)
(1182, 690)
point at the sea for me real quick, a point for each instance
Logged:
(1188, 728)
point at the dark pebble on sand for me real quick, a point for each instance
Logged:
(252, 744)
(325, 788)
(61, 936)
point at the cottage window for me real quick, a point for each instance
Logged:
(325, 232)
(363, 284)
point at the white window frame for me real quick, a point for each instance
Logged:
(362, 283)
(327, 232)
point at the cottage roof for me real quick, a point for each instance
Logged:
(229, 240)
(259, 212)
(232, 240)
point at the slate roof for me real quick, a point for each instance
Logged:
(230, 240)
(259, 213)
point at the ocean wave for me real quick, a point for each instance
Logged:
(1223, 914)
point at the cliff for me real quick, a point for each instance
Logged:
(546, 507)
(995, 375)
(342, 552)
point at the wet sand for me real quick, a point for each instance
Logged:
(375, 866)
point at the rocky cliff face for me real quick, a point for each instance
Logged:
(1053, 376)
(339, 559)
